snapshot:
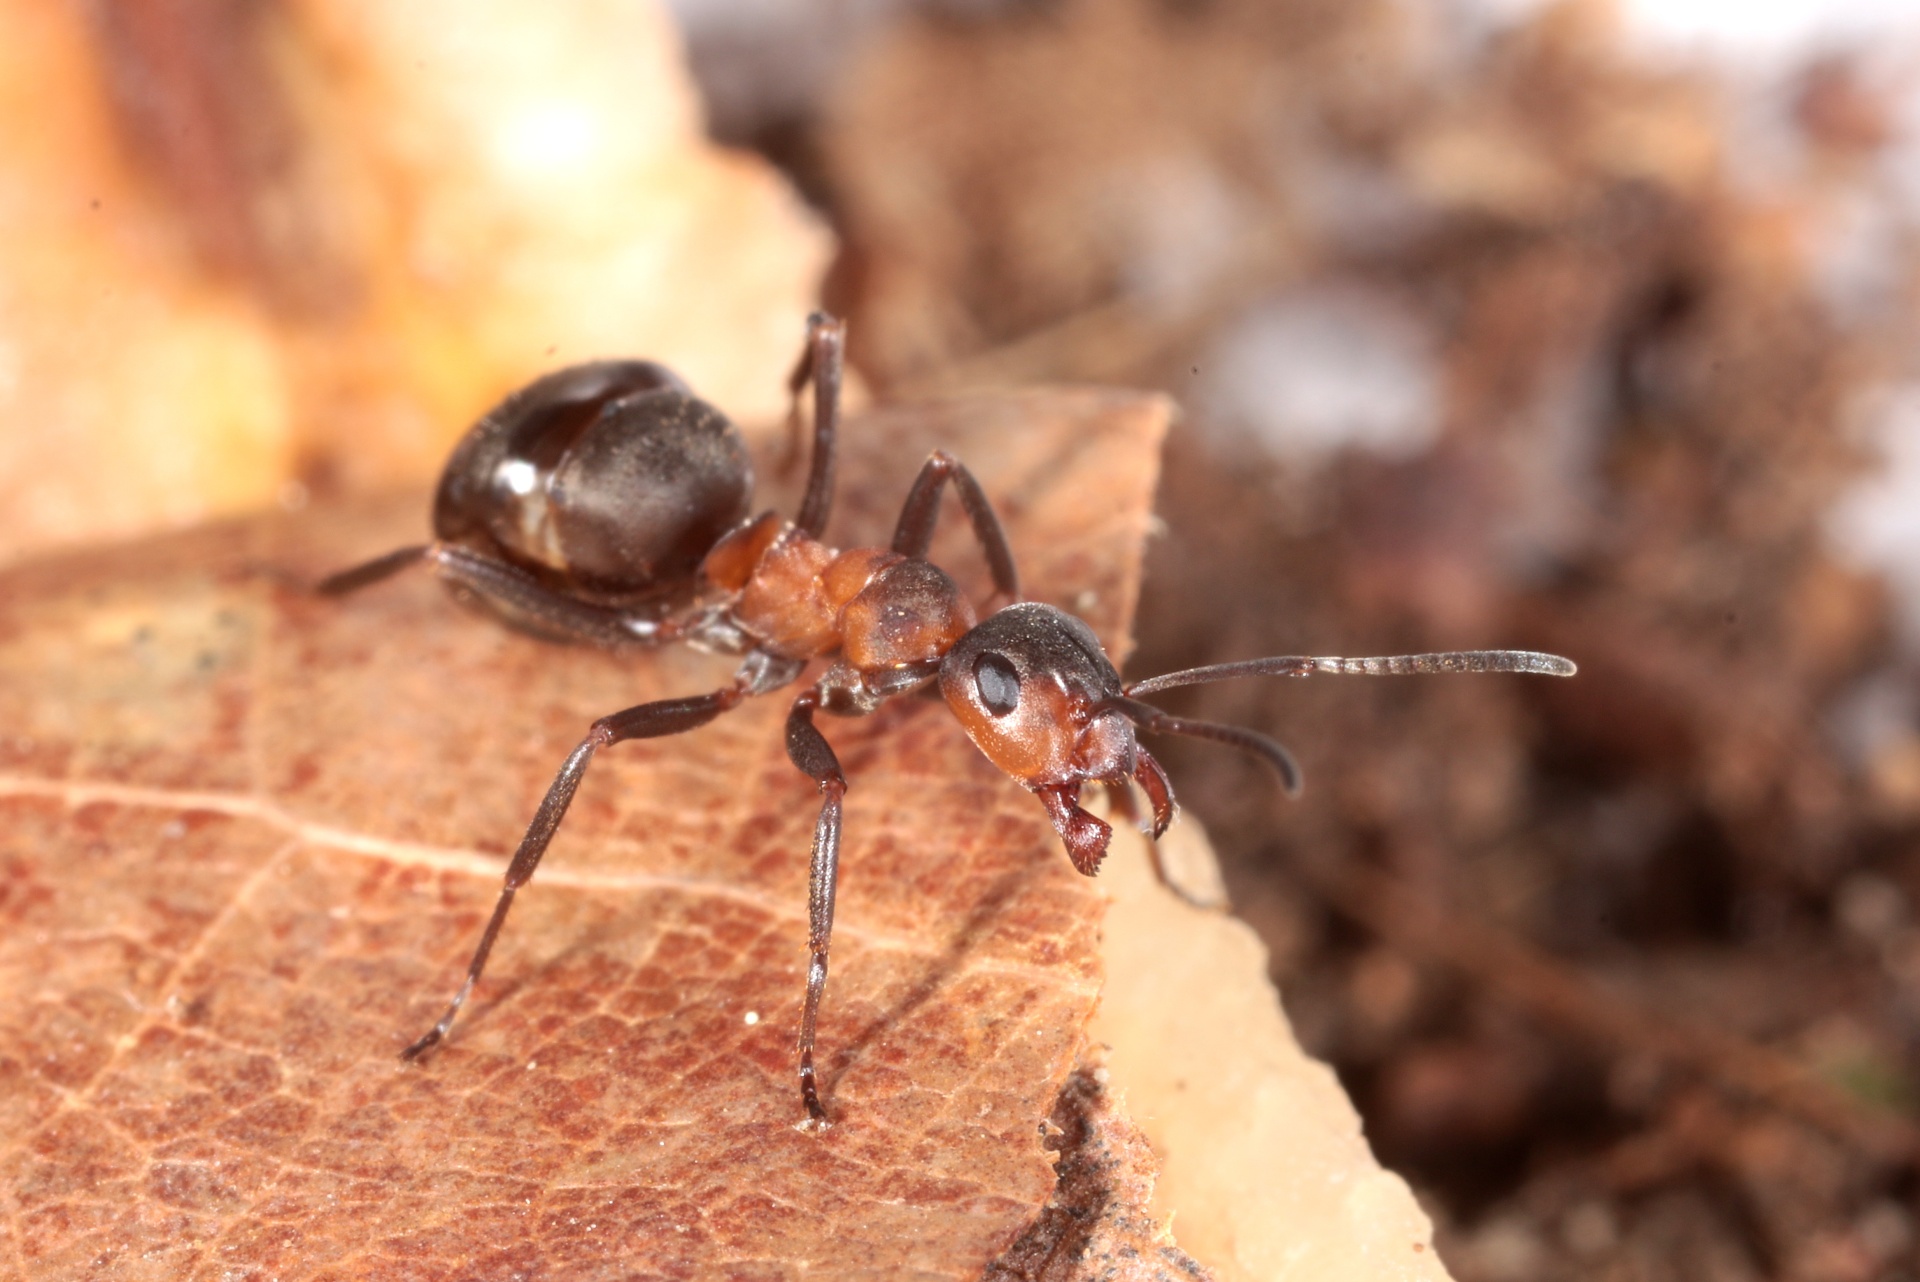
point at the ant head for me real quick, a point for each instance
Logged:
(1037, 695)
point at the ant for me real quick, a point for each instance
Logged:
(604, 503)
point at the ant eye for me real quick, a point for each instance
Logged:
(997, 682)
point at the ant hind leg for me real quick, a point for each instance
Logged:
(522, 599)
(368, 573)
(530, 604)
(822, 363)
(646, 721)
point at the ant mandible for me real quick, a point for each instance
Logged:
(604, 503)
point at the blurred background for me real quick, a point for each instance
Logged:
(1581, 327)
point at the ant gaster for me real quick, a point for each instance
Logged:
(604, 503)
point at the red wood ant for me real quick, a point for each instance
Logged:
(604, 503)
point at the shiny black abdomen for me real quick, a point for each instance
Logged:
(608, 480)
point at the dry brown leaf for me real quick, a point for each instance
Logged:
(249, 838)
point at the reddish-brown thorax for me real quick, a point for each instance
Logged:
(800, 599)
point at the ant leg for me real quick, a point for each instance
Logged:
(822, 363)
(371, 572)
(809, 750)
(521, 597)
(1153, 781)
(914, 534)
(646, 721)
(531, 604)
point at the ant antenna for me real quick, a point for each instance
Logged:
(1251, 742)
(1154, 721)
(1393, 665)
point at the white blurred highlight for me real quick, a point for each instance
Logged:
(1316, 369)
(1876, 526)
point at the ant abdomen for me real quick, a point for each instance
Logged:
(609, 481)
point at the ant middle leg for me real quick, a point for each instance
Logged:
(822, 362)
(809, 750)
(645, 721)
(914, 533)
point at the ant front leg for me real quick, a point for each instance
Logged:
(646, 721)
(914, 534)
(809, 750)
(822, 363)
